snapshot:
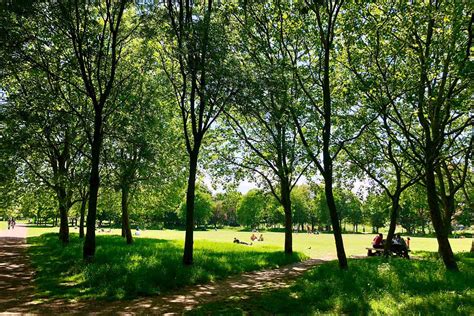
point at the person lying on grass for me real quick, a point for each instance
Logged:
(236, 241)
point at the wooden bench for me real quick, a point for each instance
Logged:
(380, 251)
(374, 251)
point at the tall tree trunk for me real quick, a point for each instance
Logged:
(94, 182)
(447, 215)
(63, 210)
(447, 197)
(286, 203)
(83, 213)
(449, 209)
(443, 242)
(393, 220)
(190, 194)
(125, 217)
(341, 254)
(124, 234)
(328, 163)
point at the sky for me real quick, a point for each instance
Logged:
(359, 187)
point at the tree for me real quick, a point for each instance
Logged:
(265, 138)
(203, 207)
(433, 41)
(196, 58)
(229, 202)
(218, 214)
(323, 218)
(301, 204)
(312, 59)
(349, 207)
(250, 208)
(451, 175)
(49, 137)
(43, 135)
(99, 38)
(414, 212)
(375, 209)
(380, 152)
(143, 142)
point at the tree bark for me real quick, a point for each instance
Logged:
(63, 214)
(444, 246)
(341, 254)
(94, 182)
(83, 213)
(190, 195)
(286, 203)
(125, 216)
(393, 221)
(447, 197)
(449, 209)
(327, 159)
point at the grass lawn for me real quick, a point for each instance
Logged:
(34, 230)
(149, 266)
(314, 246)
(3, 225)
(377, 286)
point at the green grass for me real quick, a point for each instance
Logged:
(3, 225)
(314, 246)
(371, 286)
(148, 267)
(34, 230)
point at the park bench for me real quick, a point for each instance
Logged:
(380, 251)
(374, 251)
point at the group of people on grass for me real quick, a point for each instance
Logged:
(253, 238)
(398, 246)
(11, 223)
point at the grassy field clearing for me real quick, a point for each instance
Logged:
(314, 246)
(152, 265)
(149, 266)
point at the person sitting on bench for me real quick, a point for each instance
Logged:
(399, 246)
(377, 242)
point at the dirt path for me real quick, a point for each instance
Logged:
(17, 292)
(16, 276)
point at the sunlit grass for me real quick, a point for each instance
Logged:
(314, 246)
(148, 267)
(377, 286)
(39, 230)
(3, 225)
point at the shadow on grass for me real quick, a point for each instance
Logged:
(370, 286)
(147, 267)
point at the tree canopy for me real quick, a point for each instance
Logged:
(124, 111)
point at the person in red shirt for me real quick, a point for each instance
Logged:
(377, 242)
